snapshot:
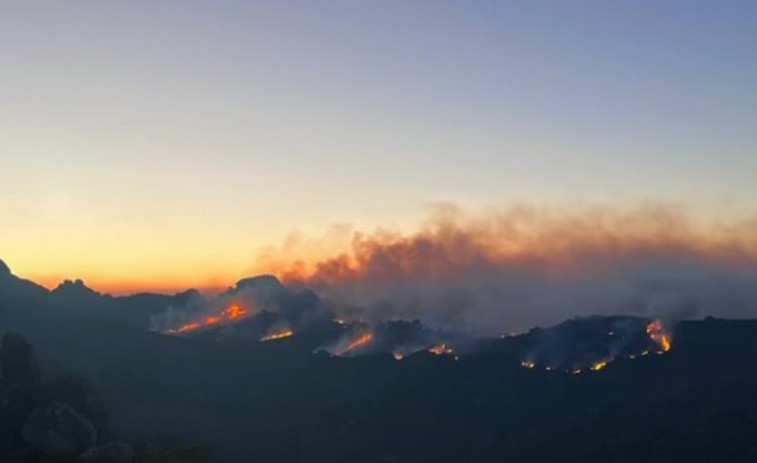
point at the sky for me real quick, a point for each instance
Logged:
(164, 144)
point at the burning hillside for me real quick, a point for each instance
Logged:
(578, 346)
(255, 309)
(475, 277)
(398, 338)
(280, 311)
(231, 314)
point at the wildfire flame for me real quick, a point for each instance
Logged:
(657, 333)
(596, 366)
(233, 312)
(361, 340)
(442, 349)
(655, 330)
(187, 327)
(398, 355)
(530, 364)
(277, 335)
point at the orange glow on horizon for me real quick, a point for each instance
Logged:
(129, 286)
(582, 239)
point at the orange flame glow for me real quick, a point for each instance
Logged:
(277, 335)
(657, 333)
(362, 340)
(187, 327)
(655, 330)
(598, 365)
(233, 312)
(442, 349)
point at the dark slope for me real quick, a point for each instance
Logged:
(275, 402)
(133, 310)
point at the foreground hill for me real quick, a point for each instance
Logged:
(280, 402)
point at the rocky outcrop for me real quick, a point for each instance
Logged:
(18, 389)
(5, 271)
(19, 361)
(78, 392)
(13, 288)
(75, 292)
(112, 452)
(58, 420)
(259, 283)
(57, 430)
(16, 403)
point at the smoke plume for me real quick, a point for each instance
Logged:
(513, 269)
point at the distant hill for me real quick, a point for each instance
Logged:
(281, 402)
(74, 296)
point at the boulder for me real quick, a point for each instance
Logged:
(112, 452)
(59, 431)
(16, 403)
(18, 389)
(18, 360)
(259, 282)
(79, 393)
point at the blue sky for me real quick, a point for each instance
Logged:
(188, 134)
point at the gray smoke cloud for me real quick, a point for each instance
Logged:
(513, 269)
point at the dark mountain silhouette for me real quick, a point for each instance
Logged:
(280, 402)
(5, 271)
(75, 297)
(13, 288)
(76, 292)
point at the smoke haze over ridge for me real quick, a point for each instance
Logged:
(514, 268)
